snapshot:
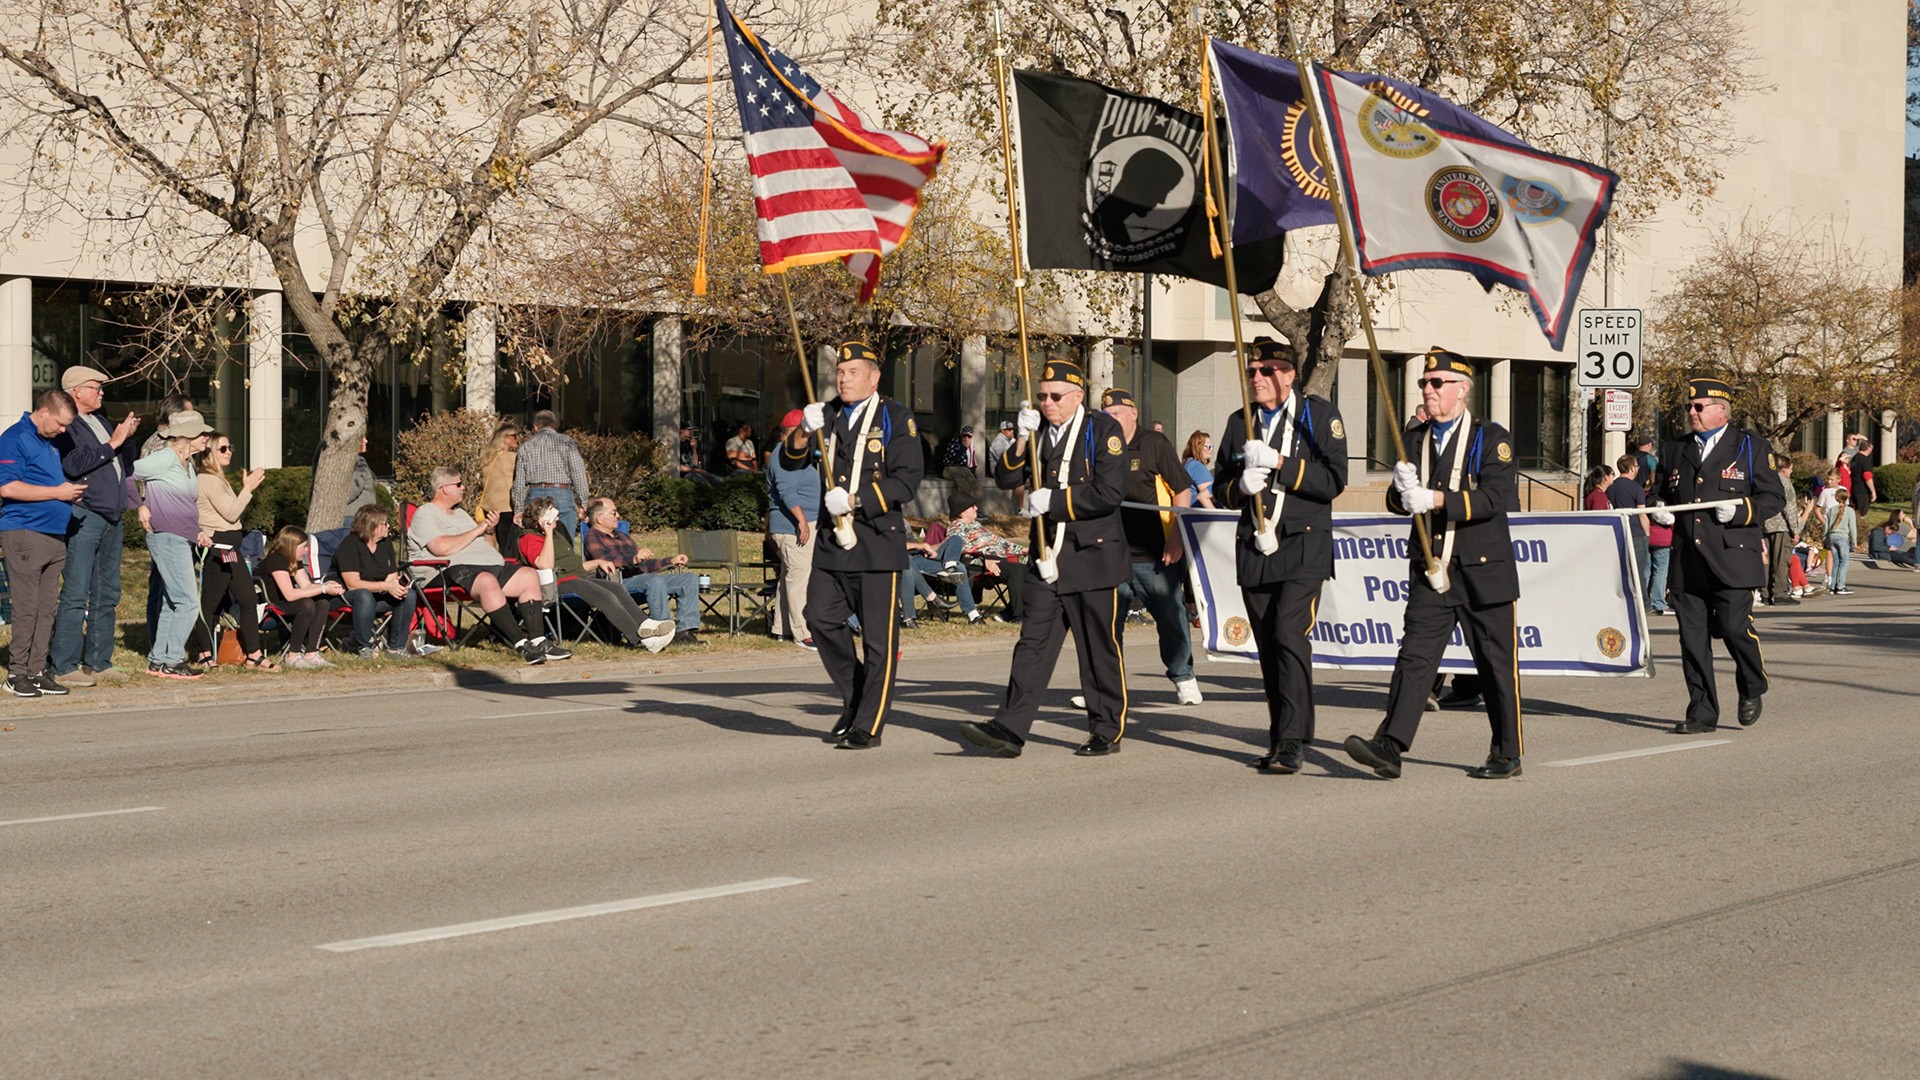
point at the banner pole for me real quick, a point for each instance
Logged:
(1019, 273)
(1436, 573)
(1263, 536)
(806, 381)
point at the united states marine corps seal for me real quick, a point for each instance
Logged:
(1113, 445)
(1463, 204)
(1612, 643)
(1237, 631)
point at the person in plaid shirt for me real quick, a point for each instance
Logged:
(657, 579)
(550, 464)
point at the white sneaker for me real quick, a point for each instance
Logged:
(655, 634)
(1187, 691)
(1079, 701)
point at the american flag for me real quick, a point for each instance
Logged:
(825, 185)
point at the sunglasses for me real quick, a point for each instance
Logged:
(1269, 370)
(1698, 406)
(1435, 384)
(223, 449)
(1052, 397)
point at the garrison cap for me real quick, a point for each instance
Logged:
(1115, 396)
(1065, 371)
(1439, 359)
(858, 350)
(1265, 350)
(1709, 388)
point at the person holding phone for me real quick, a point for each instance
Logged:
(370, 571)
(223, 574)
(550, 551)
(293, 591)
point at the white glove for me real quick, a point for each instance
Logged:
(814, 416)
(1038, 502)
(1418, 500)
(839, 503)
(1254, 481)
(1028, 420)
(1260, 455)
(1662, 518)
(1724, 512)
(1405, 477)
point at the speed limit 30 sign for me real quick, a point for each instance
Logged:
(1609, 348)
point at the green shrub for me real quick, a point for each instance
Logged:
(281, 499)
(619, 465)
(1895, 482)
(660, 502)
(456, 439)
(738, 502)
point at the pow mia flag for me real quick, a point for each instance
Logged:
(1112, 181)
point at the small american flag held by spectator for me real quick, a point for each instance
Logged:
(825, 185)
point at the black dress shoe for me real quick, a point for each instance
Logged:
(1497, 768)
(857, 740)
(1458, 699)
(1098, 746)
(1749, 709)
(1283, 759)
(992, 735)
(841, 727)
(1380, 754)
(1694, 727)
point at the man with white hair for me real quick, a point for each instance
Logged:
(442, 531)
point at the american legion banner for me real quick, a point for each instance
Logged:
(1580, 610)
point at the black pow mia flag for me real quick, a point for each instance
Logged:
(1112, 181)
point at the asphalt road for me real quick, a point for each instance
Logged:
(1743, 905)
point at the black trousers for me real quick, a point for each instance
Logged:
(1044, 625)
(220, 581)
(864, 679)
(309, 621)
(1726, 614)
(1490, 633)
(1282, 615)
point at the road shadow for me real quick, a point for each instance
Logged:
(1681, 1069)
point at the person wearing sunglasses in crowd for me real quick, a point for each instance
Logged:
(1462, 479)
(223, 573)
(1074, 587)
(1719, 554)
(1290, 472)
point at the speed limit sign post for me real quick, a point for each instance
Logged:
(1609, 349)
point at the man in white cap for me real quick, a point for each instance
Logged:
(100, 458)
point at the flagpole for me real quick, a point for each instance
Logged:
(1436, 573)
(841, 524)
(1019, 273)
(1263, 535)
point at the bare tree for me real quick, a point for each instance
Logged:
(1637, 84)
(375, 159)
(1797, 320)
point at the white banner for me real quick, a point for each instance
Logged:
(1580, 609)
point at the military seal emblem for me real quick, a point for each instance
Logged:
(1463, 204)
(1237, 631)
(1612, 643)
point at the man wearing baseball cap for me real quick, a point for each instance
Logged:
(1155, 475)
(960, 463)
(102, 459)
(793, 490)
(1719, 555)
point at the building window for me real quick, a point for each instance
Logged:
(1540, 401)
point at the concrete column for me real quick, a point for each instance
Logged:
(1411, 390)
(1099, 370)
(266, 402)
(483, 356)
(1354, 389)
(973, 389)
(16, 348)
(668, 350)
(1612, 448)
(1500, 394)
(1888, 453)
(1836, 434)
(825, 359)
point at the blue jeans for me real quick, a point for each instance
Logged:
(369, 605)
(562, 501)
(1642, 561)
(1158, 587)
(912, 583)
(89, 595)
(962, 583)
(1841, 555)
(179, 597)
(1658, 558)
(659, 588)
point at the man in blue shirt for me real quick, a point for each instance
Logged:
(34, 494)
(100, 457)
(1627, 493)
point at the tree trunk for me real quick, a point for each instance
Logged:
(340, 442)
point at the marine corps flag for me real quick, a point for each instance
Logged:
(1429, 184)
(1112, 181)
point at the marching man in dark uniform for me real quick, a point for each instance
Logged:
(1718, 554)
(1297, 463)
(1076, 509)
(873, 448)
(1461, 477)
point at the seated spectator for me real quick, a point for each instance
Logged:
(1887, 541)
(375, 586)
(1003, 558)
(510, 596)
(544, 546)
(223, 573)
(642, 574)
(688, 462)
(304, 600)
(942, 555)
(740, 453)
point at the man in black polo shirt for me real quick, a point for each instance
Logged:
(1155, 475)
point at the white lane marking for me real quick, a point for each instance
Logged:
(548, 712)
(1648, 752)
(511, 922)
(76, 817)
